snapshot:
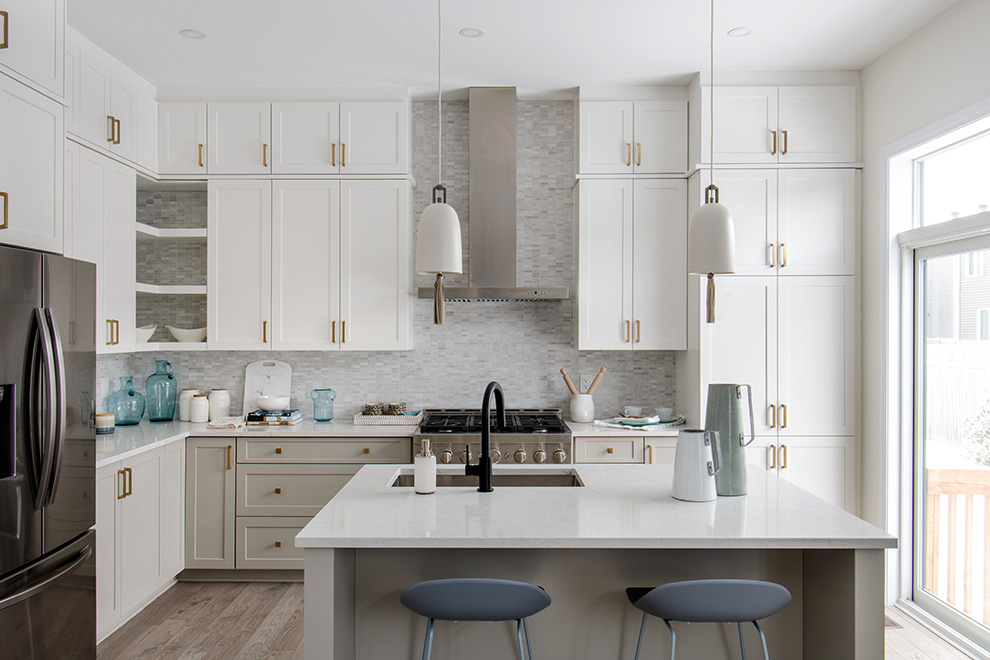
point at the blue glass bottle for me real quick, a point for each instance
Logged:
(126, 405)
(161, 390)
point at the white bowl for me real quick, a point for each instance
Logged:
(183, 334)
(144, 332)
(269, 402)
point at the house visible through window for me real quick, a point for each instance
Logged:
(974, 264)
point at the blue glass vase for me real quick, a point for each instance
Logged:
(161, 390)
(126, 405)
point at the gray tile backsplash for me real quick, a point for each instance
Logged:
(521, 345)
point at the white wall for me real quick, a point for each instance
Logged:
(941, 69)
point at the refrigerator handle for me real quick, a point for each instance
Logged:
(33, 416)
(49, 581)
(45, 407)
(57, 405)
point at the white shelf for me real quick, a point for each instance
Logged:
(170, 290)
(149, 233)
(170, 346)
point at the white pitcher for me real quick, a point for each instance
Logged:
(697, 459)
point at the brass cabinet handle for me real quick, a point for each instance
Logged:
(773, 255)
(343, 324)
(278, 544)
(229, 447)
(6, 22)
(343, 155)
(116, 123)
(609, 450)
(628, 154)
(278, 450)
(201, 155)
(773, 148)
(783, 255)
(783, 463)
(773, 412)
(116, 332)
(638, 338)
(264, 154)
(650, 447)
(783, 416)
(278, 491)
(639, 154)
(5, 209)
(109, 333)
(122, 486)
(110, 125)
(783, 152)
(367, 450)
(333, 332)
(627, 332)
(773, 457)
(264, 332)
(333, 154)
(130, 481)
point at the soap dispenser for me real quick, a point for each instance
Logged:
(425, 470)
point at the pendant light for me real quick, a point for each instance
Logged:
(712, 241)
(438, 242)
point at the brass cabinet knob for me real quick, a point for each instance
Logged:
(367, 450)
(278, 544)
(278, 491)
(278, 450)
(609, 450)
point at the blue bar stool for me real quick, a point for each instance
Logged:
(710, 601)
(476, 599)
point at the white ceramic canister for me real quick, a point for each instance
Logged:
(185, 397)
(582, 408)
(425, 470)
(219, 403)
(199, 409)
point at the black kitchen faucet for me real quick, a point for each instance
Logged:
(483, 470)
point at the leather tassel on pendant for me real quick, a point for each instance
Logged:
(438, 308)
(711, 297)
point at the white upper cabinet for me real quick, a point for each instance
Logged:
(32, 156)
(790, 221)
(625, 137)
(182, 138)
(240, 136)
(119, 268)
(32, 38)
(769, 125)
(307, 138)
(239, 270)
(632, 271)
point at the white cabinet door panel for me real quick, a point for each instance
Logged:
(35, 35)
(108, 487)
(659, 273)
(182, 138)
(606, 136)
(119, 262)
(751, 197)
(825, 467)
(172, 523)
(94, 100)
(661, 136)
(209, 519)
(820, 123)
(239, 282)
(306, 265)
(816, 372)
(305, 138)
(240, 138)
(140, 543)
(374, 138)
(817, 222)
(745, 118)
(741, 346)
(605, 248)
(375, 284)
(145, 132)
(122, 108)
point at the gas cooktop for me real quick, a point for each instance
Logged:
(517, 421)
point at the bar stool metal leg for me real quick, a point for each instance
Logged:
(522, 655)
(642, 629)
(428, 644)
(673, 639)
(763, 640)
(529, 647)
(742, 642)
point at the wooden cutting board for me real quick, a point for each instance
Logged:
(270, 377)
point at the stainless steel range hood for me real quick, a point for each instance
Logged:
(492, 235)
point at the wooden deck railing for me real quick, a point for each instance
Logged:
(962, 489)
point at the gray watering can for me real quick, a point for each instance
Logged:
(726, 415)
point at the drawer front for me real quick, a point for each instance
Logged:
(289, 490)
(618, 449)
(268, 543)
(319, 450)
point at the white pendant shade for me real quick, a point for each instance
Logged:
(438, 244)
(712, 241)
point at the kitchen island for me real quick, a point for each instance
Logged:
(584, 544)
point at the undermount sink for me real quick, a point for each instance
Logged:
(501, 479)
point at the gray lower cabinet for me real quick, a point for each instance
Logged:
(246, 499)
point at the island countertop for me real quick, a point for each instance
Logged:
(619, 506)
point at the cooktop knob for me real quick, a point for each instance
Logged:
(559, 455)
(520, 455)
(495, 454)
(446, 456)
(540, 456)
(466, 456)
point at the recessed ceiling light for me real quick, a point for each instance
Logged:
(472, 33)
(189, 33)
(739, 32)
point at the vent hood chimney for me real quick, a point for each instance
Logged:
(492, 212)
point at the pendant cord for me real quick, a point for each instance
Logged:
(711, 103)
(440, 92)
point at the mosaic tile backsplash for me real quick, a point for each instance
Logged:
(521, 345)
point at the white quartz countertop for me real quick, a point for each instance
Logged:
(592, 430)
(619, 506)
(127, 441)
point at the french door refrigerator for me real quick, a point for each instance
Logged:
(47, 457)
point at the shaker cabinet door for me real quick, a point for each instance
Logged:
(820, 123)
(240, 138)
(751, 197)
(374, 138)
(305, 138)
(182, 138)
(605, 144)
(745, 125)
(209, 520)
(140, 542)
(34, 32)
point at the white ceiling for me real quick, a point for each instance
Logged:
(536, 45)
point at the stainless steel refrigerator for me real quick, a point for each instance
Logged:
(47, 457)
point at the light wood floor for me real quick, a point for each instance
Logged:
(264, 621)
